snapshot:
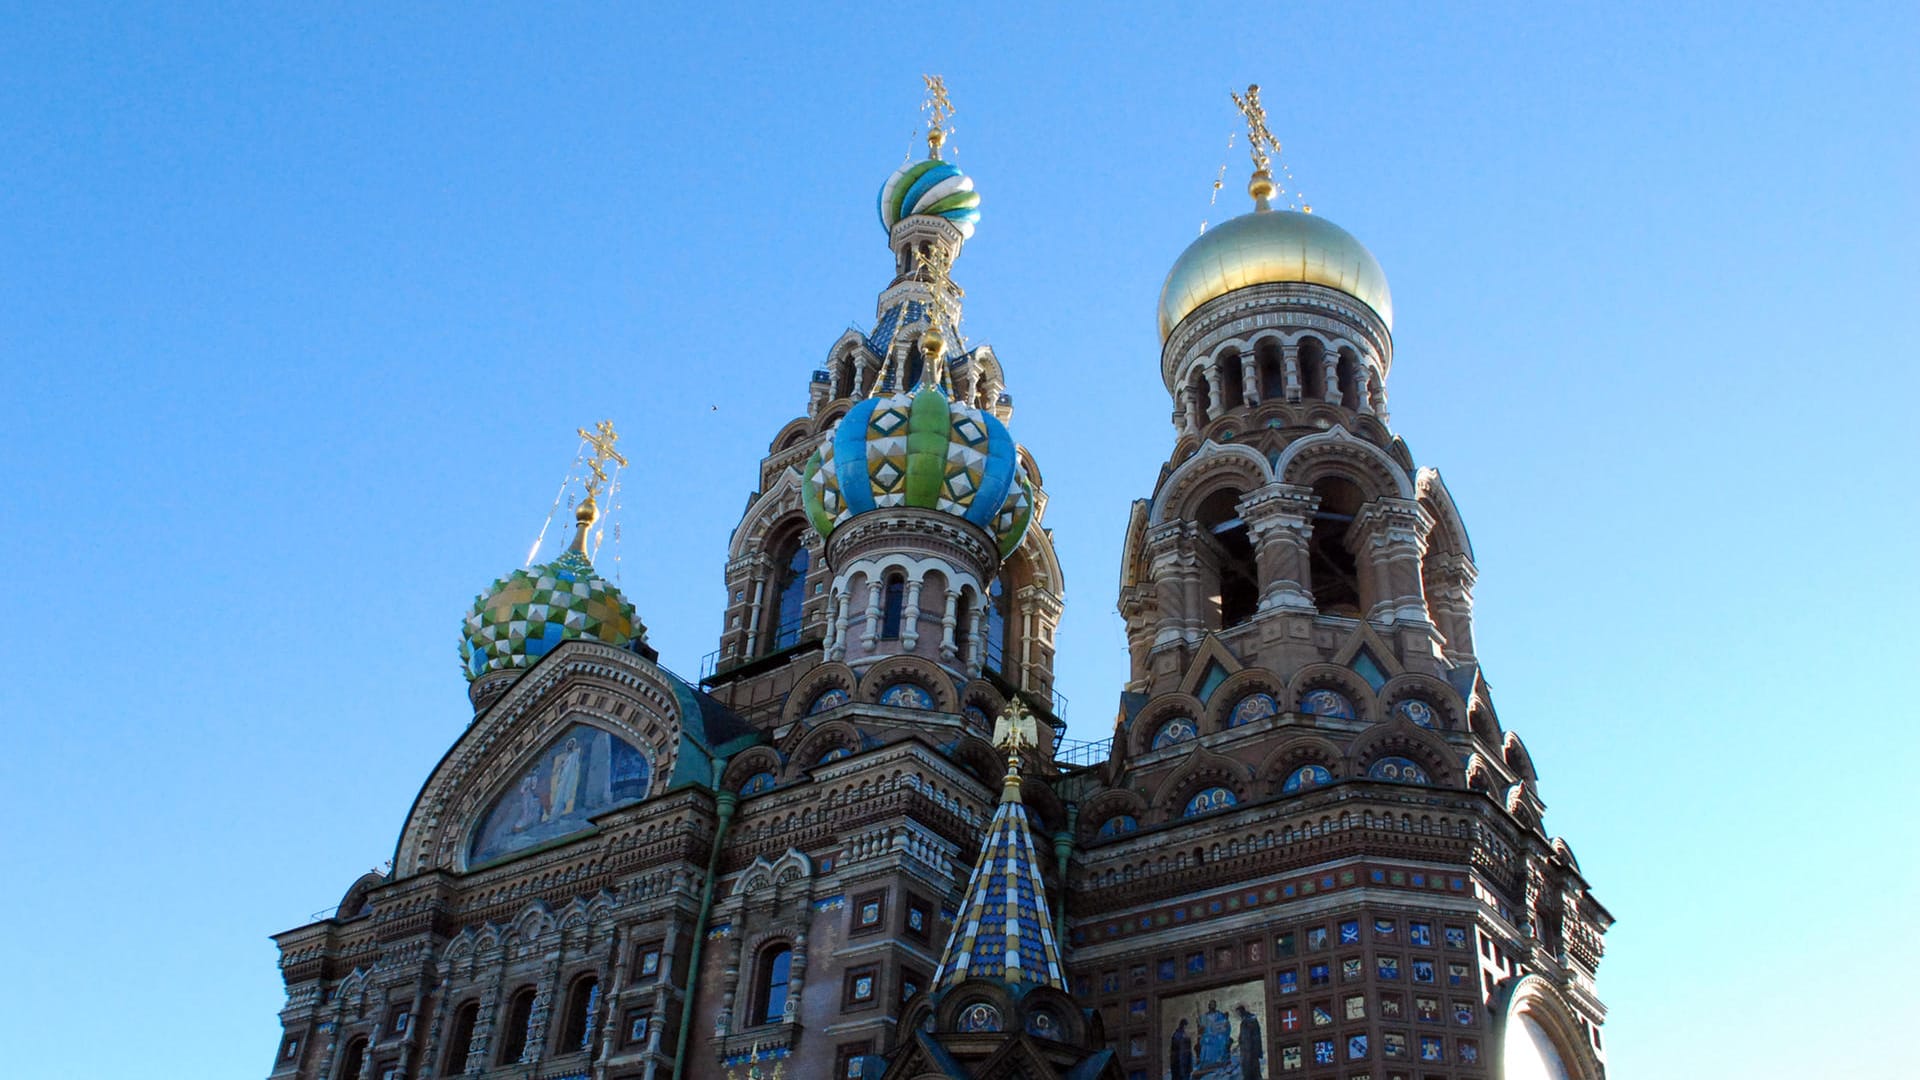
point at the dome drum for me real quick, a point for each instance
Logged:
(1286, 310)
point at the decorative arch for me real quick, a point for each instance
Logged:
(1161, 709)
(1338, 452)
(749, 763)
(1202, 769)
(1398, 738)
(1449, 535)
(1334, 677)
(833, 675)
(1534, 1008)
(980, 702)
(1214, 466)
(1301, 750)
(1514, 753)
(778, 507)
(917, 670)
(831, 415)
(1241, 687)
(979, 760)
(1480, 777)
(1449, 711)
(1109, 805)
(813, 745)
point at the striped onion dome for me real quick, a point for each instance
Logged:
(932, 187)
(920, 449)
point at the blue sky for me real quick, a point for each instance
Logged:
(301, 309)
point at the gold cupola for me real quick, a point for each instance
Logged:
(1270, 247)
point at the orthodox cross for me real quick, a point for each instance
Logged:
(1260, 141)
(601, 439)
(939, 110)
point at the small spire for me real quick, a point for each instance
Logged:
(1004, 931)
(940, 314)
(1261, 144)
(939, 109)
(601, 439)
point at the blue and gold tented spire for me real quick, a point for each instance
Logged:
(1003, 931)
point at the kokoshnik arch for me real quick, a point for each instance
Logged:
(861, 847)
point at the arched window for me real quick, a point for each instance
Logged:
(1227, 550)
(1313, 370)
(963, 621)
(790, 593)
(460, 1040)
(1331, 564)
(1232, 381)
(997, 626)
(582, 1000)
(770, 989)
(353, 1060)
(513, 1039)
(847, 387)
(1349, 382)
(892, 599)
(1198, 398)
(1273, 370)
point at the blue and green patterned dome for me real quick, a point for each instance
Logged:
(932, 187)
(528, 612)
(920, 449)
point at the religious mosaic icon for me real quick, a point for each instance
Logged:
(583, 772)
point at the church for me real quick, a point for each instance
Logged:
(860, 846)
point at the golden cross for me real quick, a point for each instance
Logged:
(601, 438)
(939, 109)
(1259, 140)
(939, 264)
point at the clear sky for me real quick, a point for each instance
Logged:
(299, 311)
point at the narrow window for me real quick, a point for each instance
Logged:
(460, 1042)
(1228, 553)
(962, 621)
(997, 626)
(1313, 370)
(1232, 381)
(353, 1060)
(892, 600)
(1273, 370)
(1331, 563)
(513, 1041)
(790, 594)
(581, 1002)
(776, 965)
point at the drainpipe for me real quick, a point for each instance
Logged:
(1062, 851)
(725, 801)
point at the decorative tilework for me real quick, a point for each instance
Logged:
(1252, 707)
(831, 698)
(1177, 730)
(1399, 770)
(1306, 776)
(525, 614)
(1208, 800)
(1418, 712)
(1003, 930)
(1324, 702)
(906, 695)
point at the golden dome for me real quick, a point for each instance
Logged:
(1271, 246)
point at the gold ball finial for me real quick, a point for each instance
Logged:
(1262, 188)
(933, 345)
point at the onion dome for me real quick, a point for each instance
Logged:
(525, 614)
(1271, 247)
(932, 187)
(920, 449)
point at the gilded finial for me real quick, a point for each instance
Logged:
(1260, 143)
(939, 110)
(1014, 730)
(601, 440)
(940, 313)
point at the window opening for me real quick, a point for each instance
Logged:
(892, 600)
(997, 626)
(580, 1005)
(790, 595)
(460, 1042)
(513, 1042)
(1229, 551)
(1334, 571)
(776, 967)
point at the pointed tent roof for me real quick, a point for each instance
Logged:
(1004, 931)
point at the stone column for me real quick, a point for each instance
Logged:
(1390, 536)
(875, 587)
(1216, 390)
(910, 616)
(1365, 380)
(1250, 381)
(616, 987)
(1290, 356)
(1164, 559)
(976, 638)
(1331, 364)
(754, 629)
(844, 603)
(796, 975)
(1279, 519)
(723, 1024)
(948, 622)
(1450, 601)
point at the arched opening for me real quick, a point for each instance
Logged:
(1313, 370)
(1197, 399)
(1273, 369)
(963, 621)
(845, 383)
(353, 1060)
(893, 599)
(999, 607)
(1334, 572)
(1234, 593)
(916, 365)
(1232, 381)
(582, 1000)
(784, 619)
(513, 1040)
(775, 971)
(1348, 374)
(460, 1039)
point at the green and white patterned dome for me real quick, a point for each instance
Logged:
(528, 612)
(920, 449)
